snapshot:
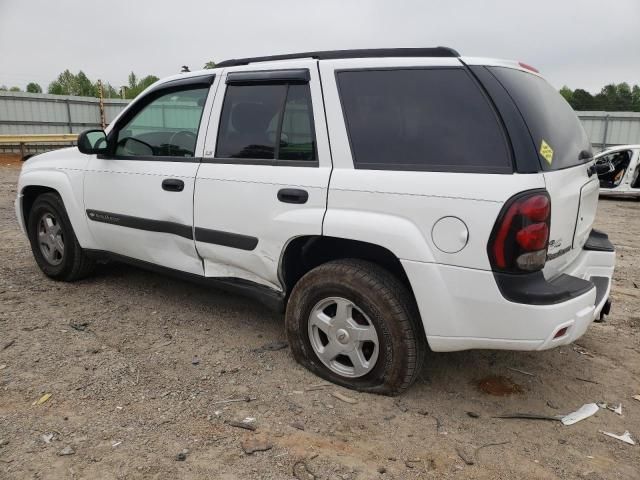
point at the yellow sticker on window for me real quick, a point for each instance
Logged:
(546, 151)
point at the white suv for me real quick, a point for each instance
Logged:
(390, 200)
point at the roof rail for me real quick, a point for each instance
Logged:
(359, 53)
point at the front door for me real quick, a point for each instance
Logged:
(265, 172)
(139, 197)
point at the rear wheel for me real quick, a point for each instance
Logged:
(354, 324)
(53, 242)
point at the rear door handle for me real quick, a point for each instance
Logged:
(172, 185)
(293, 195)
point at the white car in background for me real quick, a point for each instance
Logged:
(619, 171)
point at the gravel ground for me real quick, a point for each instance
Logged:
(141, 368)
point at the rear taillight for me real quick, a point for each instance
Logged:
(520, 236)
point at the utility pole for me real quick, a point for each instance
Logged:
(101, 104)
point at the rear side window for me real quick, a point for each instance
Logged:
(433, 119)
(255, 116)
(558, 135)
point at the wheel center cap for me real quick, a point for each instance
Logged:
(342, 336)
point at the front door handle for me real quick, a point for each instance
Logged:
(293, 195)
(172, 185)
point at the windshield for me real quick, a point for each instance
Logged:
(558, 135)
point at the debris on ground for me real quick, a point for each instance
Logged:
(297, 425)
(66, 451)
(499, 386)
(3, 366)
(255, 444)
(271, 347)
(8, 344)
(614, 408)
(42, 399)
(246, 426)
(317, 386)
(625, 437)
(47, 437)
(587, 380)
(3, 442)
(473, 414)
(80, 327)
(636, 397)
(234, 400)
(182, 456)
(521, 371)
(195, 360)
(344, 398)
(583, 412)
(582, 351)
(530, 416)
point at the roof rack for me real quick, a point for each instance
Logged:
(358, 53)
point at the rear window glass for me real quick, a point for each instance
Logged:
(558, 135)
(434, 119)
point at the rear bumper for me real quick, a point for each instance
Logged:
(465, 309)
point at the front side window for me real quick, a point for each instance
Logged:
(254, 116)
(166, 127)
(432, 119)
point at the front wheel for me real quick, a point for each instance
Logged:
(355, 324)
(53, 242)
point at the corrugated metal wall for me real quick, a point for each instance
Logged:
(606, 129)
(24, 113)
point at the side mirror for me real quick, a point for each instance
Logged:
(92, 142)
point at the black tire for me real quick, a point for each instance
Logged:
(388, 305)
(73, 264)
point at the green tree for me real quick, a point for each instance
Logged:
(3, 88)
(567, 93)
(69, 84)
(136, 86)
(209, 65)
(582, 100)
(33, 87)
(15, 89)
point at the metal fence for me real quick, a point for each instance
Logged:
(607, 129)
(28, 113)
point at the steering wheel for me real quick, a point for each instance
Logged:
(124, 141)
(190, 141)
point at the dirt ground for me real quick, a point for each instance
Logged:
(139, 368)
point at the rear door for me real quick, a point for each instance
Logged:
(565, 153)
(264, 176)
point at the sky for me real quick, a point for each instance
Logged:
(579, 43)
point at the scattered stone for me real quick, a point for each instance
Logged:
(298, 425)
(382, 470)
(195, 360)
(3, 366)
(254, 444)
(47, 437)
(466, 453)
(401, 406)
(3, 442)
(8, 344)
(344, 398)
(66, 451)
(389, 417)
(271, 347)
(550, 404)
(182, 456)
(473, 414)
(423, 412)
(301, 471)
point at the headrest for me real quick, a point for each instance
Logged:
(251, 117)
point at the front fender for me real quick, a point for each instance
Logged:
(69, 185)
